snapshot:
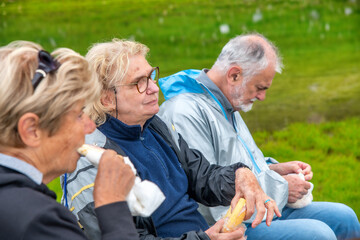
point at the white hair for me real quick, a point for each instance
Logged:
(250, 52)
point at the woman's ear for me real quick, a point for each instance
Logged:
(108, 99)
(29, 131)
(234, 75)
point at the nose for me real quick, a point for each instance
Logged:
(261, 95)
(89, 125)
(152, 88)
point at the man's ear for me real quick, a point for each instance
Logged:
(108, 99)
(234, 75)
(29, 131)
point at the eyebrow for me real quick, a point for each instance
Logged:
(140, 77)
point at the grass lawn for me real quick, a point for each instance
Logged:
(312, 110)
(331, 148)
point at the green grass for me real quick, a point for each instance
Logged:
(332, 149)
(319, 41)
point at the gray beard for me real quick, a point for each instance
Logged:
(245, 107)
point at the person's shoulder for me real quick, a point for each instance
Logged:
(26, 207)
(96, 138)
(29, 202)
(184, 104)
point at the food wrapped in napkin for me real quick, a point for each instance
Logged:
(145, 196)
(306, 199)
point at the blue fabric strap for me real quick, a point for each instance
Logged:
(65, 191)
(246, 146)
(216, 100)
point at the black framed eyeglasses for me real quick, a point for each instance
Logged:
(47, 64)
(143, 83)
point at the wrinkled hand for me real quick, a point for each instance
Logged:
(215, 233)
(293, 167)
(114, 179)
(247, 186)
(297, 187)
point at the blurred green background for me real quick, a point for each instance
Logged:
(311, 112)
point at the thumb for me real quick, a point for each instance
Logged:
(297, 169)
(218, 225)
(234, 201)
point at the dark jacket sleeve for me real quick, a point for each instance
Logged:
(56, 222)
(116, 222)
(186, 236)
(144, 226)
(146, 231)
(209, 184)
(53, 222)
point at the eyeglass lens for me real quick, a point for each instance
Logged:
(143, 83)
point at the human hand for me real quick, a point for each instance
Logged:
(297, 187)
(215, 233)
(114, 179)
(293, 167)
(247, 186)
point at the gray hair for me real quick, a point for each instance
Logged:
(250, 52)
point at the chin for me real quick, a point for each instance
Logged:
(73, 163)
(245, 108)
(155, 110)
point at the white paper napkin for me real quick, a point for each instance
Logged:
(144, 197)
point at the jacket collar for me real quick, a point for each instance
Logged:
(204, 79)
(116, 129)
(22, 167)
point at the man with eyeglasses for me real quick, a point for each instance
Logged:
(127, 123)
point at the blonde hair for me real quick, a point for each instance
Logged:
(111, 60)
(52, 99)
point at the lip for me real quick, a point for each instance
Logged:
(155, 101)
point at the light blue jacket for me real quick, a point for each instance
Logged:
(202, 121)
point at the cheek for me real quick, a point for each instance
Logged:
(250, 94)
(129, 103)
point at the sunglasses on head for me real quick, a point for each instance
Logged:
(47, 64)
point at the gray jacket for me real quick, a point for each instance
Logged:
(203, 121)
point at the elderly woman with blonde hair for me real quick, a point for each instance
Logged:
(43, 124)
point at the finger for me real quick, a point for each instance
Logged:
(306, 168)
(270, 212)
(217, 227)
(303, 193)
(237, 234)
(309, 176)
(260, 208)
(234, 201)
(108, 154)
(250, 207)
(277, 211)
(292, 199)
(297, 169)
(120, 158)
